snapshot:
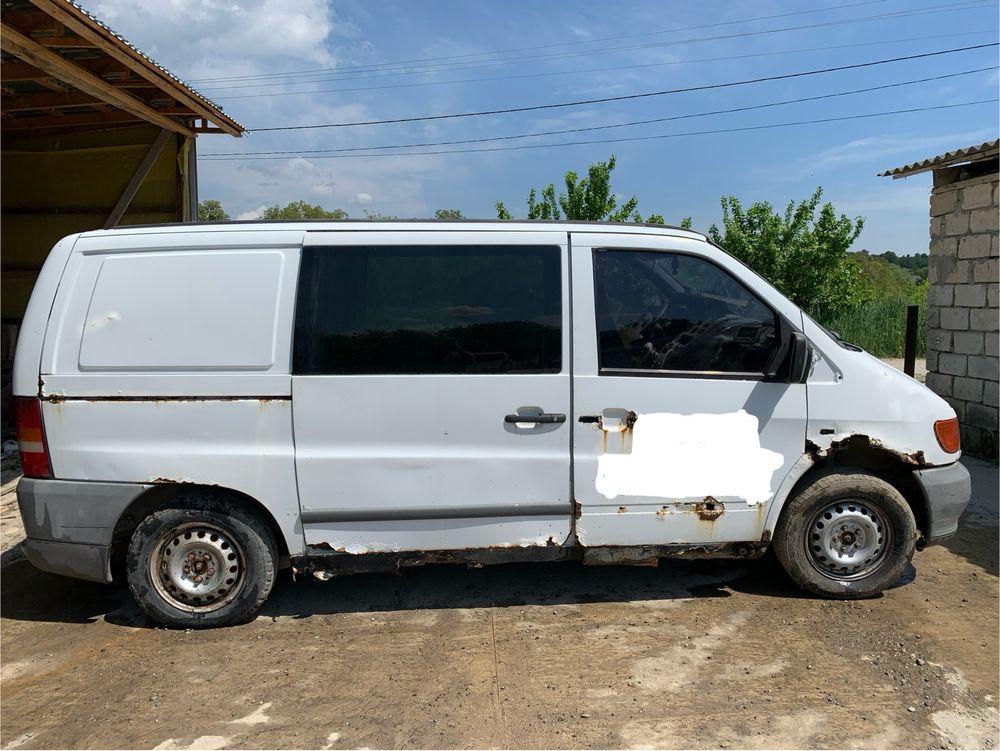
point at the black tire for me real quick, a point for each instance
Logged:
(846, 534)
(234, 548)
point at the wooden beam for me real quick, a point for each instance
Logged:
(99, 66)
(11, 71)
(27, 102)
(16, 43)
(137, 177)
(63, 42)
(81, 120)
(32, 20)
(45, 101)
(52, 84)
(81, 25)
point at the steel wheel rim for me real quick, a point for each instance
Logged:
(848, 540)
(197, 567)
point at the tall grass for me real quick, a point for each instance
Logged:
(878, 326)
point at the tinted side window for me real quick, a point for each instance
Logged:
(670, 311)
(428, 309)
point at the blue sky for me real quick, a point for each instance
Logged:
(567, 52)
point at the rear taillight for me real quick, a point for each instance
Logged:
(31, 437)
(948, 435)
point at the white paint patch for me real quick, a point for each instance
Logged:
(20, 740)
(13, 669)
(691, 456)
(254, 718)
(966, 727)
(678, 668)
(201, 743)
(330, 740)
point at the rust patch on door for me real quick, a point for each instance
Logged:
(709, 509)
(624, 429)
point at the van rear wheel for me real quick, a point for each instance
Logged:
(846, 535)
(201, 563)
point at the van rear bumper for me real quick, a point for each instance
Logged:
(69, 524)
(946, 491)
(88, 562)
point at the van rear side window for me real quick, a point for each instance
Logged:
(193, 310)
(428, 309)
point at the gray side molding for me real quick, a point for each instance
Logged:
(407, 513)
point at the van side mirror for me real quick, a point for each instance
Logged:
(791, 360)
(800, 358)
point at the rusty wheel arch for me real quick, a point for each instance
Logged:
(160, 496)
(868, 455)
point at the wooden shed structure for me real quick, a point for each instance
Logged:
(94, 134)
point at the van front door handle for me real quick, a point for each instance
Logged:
(546, 418)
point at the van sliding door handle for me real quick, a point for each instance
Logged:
(544, 418)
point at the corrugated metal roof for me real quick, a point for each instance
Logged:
(126, 43)
(983, 151)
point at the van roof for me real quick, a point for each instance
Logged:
(529, 225)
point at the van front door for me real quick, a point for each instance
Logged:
(679, 437)
(431, 390)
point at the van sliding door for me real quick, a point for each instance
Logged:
(431, 390)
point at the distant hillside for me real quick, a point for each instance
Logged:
(916, 264)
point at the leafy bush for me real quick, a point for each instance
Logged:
(802, 252)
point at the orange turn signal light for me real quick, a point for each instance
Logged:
(947, 435)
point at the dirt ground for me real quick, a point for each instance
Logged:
(713, 654)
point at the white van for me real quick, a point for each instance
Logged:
(206, 404)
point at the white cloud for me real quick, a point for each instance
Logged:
(214, 38)
(364, 199)
(256, 213)
(881, 151)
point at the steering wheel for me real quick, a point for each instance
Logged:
(650, 319)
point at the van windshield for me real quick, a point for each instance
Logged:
(834, 335)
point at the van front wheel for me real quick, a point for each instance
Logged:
(201, 563)
(846, 534)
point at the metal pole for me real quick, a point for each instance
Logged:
(910, 345)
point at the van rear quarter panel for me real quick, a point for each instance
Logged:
(167, 360)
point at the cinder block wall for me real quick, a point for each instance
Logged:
(962, 314)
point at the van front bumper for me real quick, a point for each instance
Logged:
(946, 491)
(69, 524)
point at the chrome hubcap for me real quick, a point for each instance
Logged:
(848, 540)
(197, 567)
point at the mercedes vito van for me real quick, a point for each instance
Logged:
(199, 406)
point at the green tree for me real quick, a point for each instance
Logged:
(587, 199)
(883, 279)
(801, 253)
(374, 216)
(448, 214)
(302, 210)
(916, 264)
(211, 210)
